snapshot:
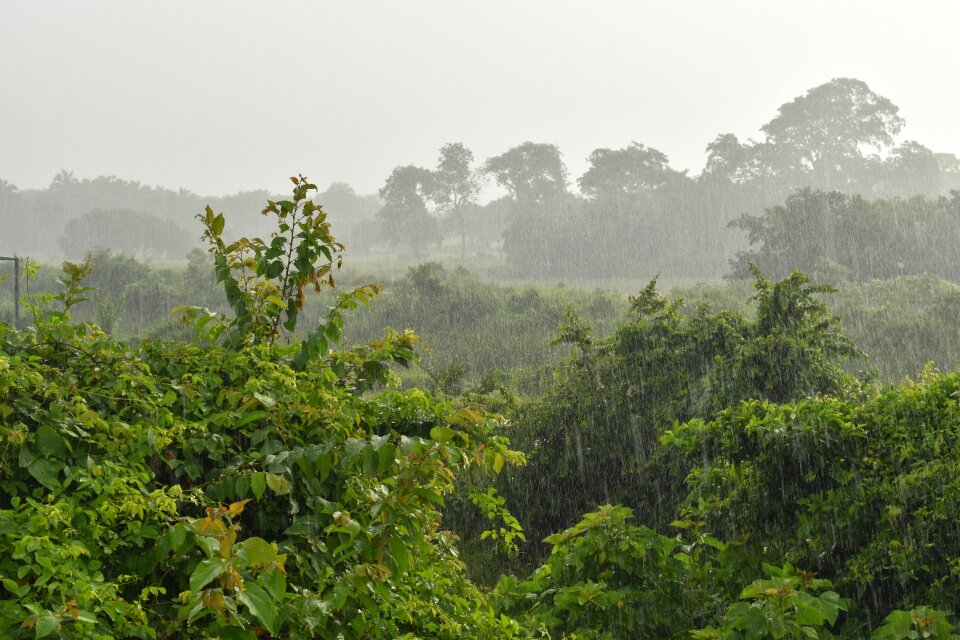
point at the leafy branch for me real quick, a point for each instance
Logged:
(265, 282)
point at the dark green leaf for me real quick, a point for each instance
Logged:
(260, 605)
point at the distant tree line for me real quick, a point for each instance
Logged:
(74, 216)
(630, 214)
(635, 214)
(847, 237)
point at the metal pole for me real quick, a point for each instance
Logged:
(16, 292)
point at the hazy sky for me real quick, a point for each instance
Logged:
(218, 97)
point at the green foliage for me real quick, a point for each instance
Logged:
(475, 333)
(264, 282)
(848, 237)
(606, 578)
(593, 437)
(133, 300)
(784, 605)
(922, 622)
(476, 329)
(258, 483)
(493, 508)
(180, 490)
(902, 324)
(795, 343)
(859, 487)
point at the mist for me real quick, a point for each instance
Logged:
(220, 97)
(503, 320)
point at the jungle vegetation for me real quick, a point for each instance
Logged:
(446, 437)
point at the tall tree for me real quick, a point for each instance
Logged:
(911, 169)
(731, 162)
(533, 174)
(404, 215)
(455, 185)
(621, 173)
(345, 205)
(821, 137)
(949, 171)
(63, 181)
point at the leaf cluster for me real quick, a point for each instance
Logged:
(168, 489)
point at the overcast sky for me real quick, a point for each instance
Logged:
(218, 97)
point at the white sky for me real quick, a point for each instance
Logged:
(218, 97)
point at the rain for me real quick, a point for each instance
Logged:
(542, 320)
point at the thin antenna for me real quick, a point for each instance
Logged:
(16, 292)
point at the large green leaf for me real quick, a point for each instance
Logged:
(260, 605)
(236, 633)
(46, 625)
(205, 572)
(43, 471)
(442, 434)
(258, 483)
(256, 551)
(49, 443)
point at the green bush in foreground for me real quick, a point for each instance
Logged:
(607, 579)
(240, 491)
(862, 487)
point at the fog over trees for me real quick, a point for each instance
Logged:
(629, 214)
(525, 364)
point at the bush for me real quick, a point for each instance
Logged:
(236, 490)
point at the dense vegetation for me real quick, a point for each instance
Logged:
(249, 478)
(744, 449)
(474, 331)
(248, 488)
(593, 436)
(851, 238)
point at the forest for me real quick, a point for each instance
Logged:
(517, 216)
(419, 414)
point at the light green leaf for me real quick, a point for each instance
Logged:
(205, 572)
(266, 401)
(218, 223)
(430, 495)
(252, 416)
(442, 434)
(256, 551)
(498, 463)
(11, 586)
(278, 484)
(280, 304)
